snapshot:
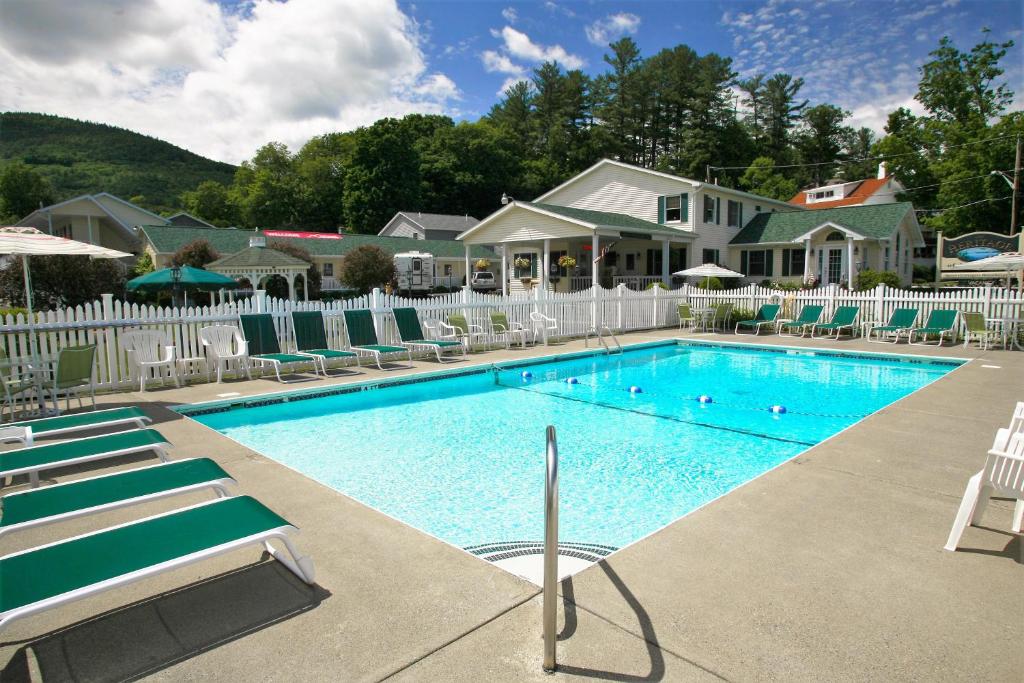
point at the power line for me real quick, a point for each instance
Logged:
(858, 161)
(944, 182)
(950, 208)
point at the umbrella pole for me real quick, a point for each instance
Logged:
(32, 335)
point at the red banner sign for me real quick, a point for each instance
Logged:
(303, 235)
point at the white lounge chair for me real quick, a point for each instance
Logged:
(150, 350)
(543, 326)
(225, 345)
(1002, 475)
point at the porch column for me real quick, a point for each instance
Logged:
(594, 263)
(467, 265)
(88, 223)
(305, 286)
(504, 266)
(807, 258)
(547, 266)
(49, 222)
(664, 263)
(291, 286)
(849, 262)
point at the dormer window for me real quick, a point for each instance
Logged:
(673, 208)
(823, 194)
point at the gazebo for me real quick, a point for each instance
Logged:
(257, 262)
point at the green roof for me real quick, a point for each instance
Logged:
(874, 220)
(167, 239)
(257, 257)
(607, 219)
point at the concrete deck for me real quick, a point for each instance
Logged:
(829, 567)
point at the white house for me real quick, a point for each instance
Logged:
(427, 226)
(644, 225)
(101, 219)
(881, 189)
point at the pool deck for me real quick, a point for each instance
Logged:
(829, 567)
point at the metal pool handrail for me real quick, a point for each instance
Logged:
(551, 551)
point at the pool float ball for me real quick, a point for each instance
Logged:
(526, 374)
(704, 398)
(636, 390)
(778, 410)
(571, 380)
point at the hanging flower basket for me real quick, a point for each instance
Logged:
(567, 261)
(482, 264)
(522, 263)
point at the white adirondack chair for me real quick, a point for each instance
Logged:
(1003, 475)
(150, 350)
(542, 326)
(225, 345)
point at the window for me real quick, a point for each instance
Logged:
(673, 209)
(757, 262)
(734, 214)
(328, 269)
(886, 267)
(710, 256)
(835, 236)
(709, 209)
(757, 208)
(630, 263)
(653, 264)
(447, 270)
(793, 262)
(529, 271)
(63, 231)
(897, 251)
(556, 270)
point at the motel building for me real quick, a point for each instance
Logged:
(646, 224)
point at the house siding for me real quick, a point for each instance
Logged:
(518, 225)
(403, 228)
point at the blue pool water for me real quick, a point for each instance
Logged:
(462, 457)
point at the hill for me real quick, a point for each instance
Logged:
(80, 157)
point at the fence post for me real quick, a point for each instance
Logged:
(880, 303)
(654, 300)
(113, 374)
(375, 304)
(619, 289)
(986, 307)
(832, 298)
(753, 298)
(260, 295)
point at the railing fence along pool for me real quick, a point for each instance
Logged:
(622, 309)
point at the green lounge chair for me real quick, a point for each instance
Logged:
(723, 312)
(809, 316)
(60, 502)
(36, 459)
(259, 332)
(362, 337)
(940, 323)
(976, 328)
(900, 322)
(845, 318)
(411, 335)
(39, 579)
(503, 330)
(311, 340)
(26, 432)
(766, 315)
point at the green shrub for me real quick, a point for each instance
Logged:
(742, 314)
(709, 283)
(869, 279)
(4, 312)
(781, 285)
(660, 285)
(924, 273)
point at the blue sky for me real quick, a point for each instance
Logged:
(223, 77)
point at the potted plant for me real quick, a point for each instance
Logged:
(523, 264)
(482, 264)
(567, 262)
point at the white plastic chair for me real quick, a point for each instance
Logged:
(543, 326)
(225, 345)
(1003, 475)
(150, 350)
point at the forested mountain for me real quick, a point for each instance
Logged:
(79, 157)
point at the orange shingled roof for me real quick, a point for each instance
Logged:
(859, 194)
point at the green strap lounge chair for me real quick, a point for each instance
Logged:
(36, 459)
(264, 349)
(976, 328)
(723, 312)
(61, 502)
(362, 337)
(26, 432)
(900, 322)
(766, 316)
(503, 330)
(809, 316)
(410, 332)
(39, 579)
(845, 318)
(311, 340)
(941, 323)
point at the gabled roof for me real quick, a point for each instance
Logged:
(439, 221)
(167, 239)
(873, 221)
(187, 219)
(39, 216)
(257, 257)
(858, 196)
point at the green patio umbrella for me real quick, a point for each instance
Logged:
(183, 278)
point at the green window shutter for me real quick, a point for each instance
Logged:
(769, 261)
(741, 215)
(786, 254)
(743, 261)
(534, 266)
(718, 210)
(661, 209)
(684, 202)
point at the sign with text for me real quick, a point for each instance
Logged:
(303, 235)
(974, 246)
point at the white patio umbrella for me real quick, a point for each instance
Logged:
(25, 242)
(708, 270)
(1008, 261)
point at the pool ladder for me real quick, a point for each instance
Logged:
(598, 332)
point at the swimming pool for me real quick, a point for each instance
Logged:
(461, 457)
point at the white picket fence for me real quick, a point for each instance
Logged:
(622, 309)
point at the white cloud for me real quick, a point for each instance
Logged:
(510, 15)
(612, 27)
(216, 83)
(497, 62)
(518, 44)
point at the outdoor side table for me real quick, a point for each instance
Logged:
(866, 325)
(183, 364)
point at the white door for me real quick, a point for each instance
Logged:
(831, 265)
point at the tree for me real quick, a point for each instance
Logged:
(958, 87)
(383, 177)
(366, 267)
(320, 181)
(22, 191)
(762, 179)
(196, 254)
(212, 202)
(312, 275)
(62, 281)
(782, 111)
(265, 188)
(143, 265)
(821, 140)
(753, 99)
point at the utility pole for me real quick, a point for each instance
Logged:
(1015, 216)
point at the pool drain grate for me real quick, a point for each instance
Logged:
(503, 550)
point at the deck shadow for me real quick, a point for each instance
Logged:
(145, 637)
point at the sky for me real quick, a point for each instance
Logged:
(221, 78)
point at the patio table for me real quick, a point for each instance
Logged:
(1011, 329)
(39, 368)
